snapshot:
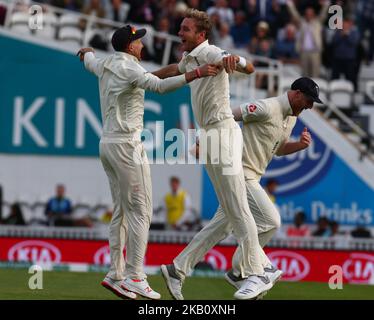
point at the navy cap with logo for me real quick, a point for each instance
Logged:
(308, 87)
(122, 37)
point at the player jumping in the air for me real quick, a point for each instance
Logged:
(122, 81)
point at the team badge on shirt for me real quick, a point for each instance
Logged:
(251, 108)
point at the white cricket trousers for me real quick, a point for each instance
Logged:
(267, 220)
(228, 180)
(127, 168)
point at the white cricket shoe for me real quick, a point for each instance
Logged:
(173, 281)
(273, 273)
(115, 287)
(253, 287)
(141, 287)
(235, 281)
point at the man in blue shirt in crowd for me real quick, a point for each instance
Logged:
(58, 209)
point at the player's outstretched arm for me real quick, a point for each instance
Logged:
(82, 52)
(233, 63)
(149, 81)
(91, 63)
(169, 71)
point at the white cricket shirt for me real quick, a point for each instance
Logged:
(122, 81)
(210, 95)
(267, 124)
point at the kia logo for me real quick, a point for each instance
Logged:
(294, 265)
(216, 259)
(359, 268)
(297, 171)
(102, 256)
(34, 251)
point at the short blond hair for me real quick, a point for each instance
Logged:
(202, 21)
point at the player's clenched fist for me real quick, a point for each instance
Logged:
(83, 51)
(305, 138)
(229, 63)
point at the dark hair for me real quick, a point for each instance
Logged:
(271, 181)
(17, 212)
(301, 214)
(174, 179)
(323, 219)
(333, 224)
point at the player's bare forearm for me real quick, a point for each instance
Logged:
(169, 71)
(249, 68)
(237, 113)
(207, 70)
(291, 147)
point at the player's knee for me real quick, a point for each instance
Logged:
(276, 222)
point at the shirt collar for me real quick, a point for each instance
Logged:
(285, 105)
(195, 52)
(125, 55)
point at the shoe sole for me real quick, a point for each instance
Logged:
(106, 285)
(165, 275)
(261, 295)
(137, 292)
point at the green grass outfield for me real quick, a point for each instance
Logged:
(77, 286)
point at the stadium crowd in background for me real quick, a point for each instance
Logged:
(179, 215)
(293, 31)
(299, 228)
(15, 216)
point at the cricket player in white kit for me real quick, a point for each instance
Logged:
(267, 126)
(122, 81)
(211, 108)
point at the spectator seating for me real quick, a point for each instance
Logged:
(341, 93)
(39, 216)
(21, 28)
(71, 35)
(19, 18)
(47, 32)
(69, 20)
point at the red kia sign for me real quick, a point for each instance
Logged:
(297, 265)
(102, 256)
(359, 268)
(35, 251)
(294, 265)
